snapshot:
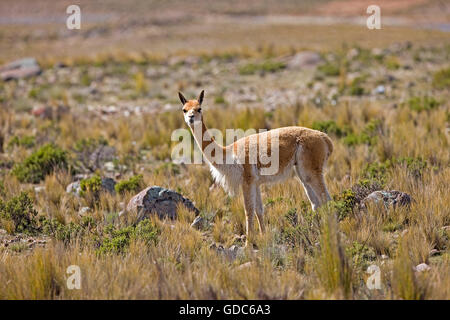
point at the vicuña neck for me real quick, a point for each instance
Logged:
(210, 148)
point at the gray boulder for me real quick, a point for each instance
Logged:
(305, 59)
(19, 69)
(160, 201)
(390, 198)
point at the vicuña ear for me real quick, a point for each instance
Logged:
(200, 97)
(182, 98)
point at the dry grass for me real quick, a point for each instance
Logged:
(302, 255)
(183, 266)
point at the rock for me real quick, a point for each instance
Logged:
(353, 53)
(305, 59)
(388, 198)
(101, 155)
(198, 223)
(83, 211)
(74, 187)
(422, 267)
(160, 201)
(380, 89)
(39, 189)
(19, 69)
(108, 185)
(109, 166)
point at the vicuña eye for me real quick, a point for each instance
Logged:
(184, 110)
(199, 110)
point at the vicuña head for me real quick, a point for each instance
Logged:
(192, 108)
(298, 149)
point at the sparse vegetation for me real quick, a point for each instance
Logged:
(134, 184)
(422, 103)
(41, 163)
(384, 106)
(18, 214)
(441, 79)
(264, 67)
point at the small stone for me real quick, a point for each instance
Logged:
(109, 166)
(380, 89)
(422, 267)
(74, 187)
(305, 59)
(198, 223)
(39, 189)
(84, 210)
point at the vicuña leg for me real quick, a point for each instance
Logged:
(306, 179)
(259, 210)
(320, 189)
(249, 192)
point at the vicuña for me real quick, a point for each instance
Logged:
(302, 149)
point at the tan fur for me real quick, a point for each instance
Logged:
(302, 149)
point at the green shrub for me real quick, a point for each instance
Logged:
(117, 240)
(369, 135)
(61, 232)
(351, 139)
(361, 254)
(41, 163)
(20, 211)
(377, 172)
(422, 103)
(344, 203)
(441, 79)
(330, 127)
(219, 100)
(415, 166)
(92, 185)
(26, 141)
(330, 69)
(391, 63)
(266, 66)
(2, 189)
(134, 184)
(67, 232)
(355, 88)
